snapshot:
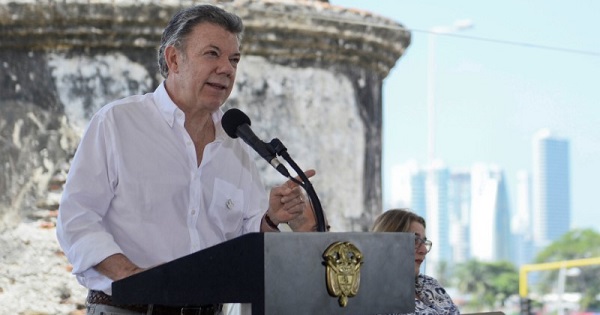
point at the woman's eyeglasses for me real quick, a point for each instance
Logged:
(420, 241)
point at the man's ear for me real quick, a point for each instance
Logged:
(172, 57)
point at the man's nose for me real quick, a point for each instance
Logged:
(226, 67)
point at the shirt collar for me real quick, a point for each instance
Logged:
(168, 110)
(165, 104)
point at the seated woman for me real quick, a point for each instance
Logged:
(430, 298)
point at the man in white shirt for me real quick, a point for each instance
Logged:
(156, 178)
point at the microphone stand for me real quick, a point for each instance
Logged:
(281, 150)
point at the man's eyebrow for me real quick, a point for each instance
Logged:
(214, 47)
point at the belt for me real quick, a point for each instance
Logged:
(99, 297)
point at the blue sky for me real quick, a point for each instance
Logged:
(523, 66)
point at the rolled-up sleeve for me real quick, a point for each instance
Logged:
(86, 197)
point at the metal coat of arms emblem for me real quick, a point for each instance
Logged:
(343, 261)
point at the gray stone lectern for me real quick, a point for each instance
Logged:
(283, 273)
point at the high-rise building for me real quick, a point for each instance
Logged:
(467, 211)
(521, 228)
(459, 206)
(437, 215)
(408, 186)
(424, 190)
(490, 214)
(551, 188)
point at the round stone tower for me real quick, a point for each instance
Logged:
(311, 75)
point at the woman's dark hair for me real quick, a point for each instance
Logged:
(184, 22)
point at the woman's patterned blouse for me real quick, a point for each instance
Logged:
(433, 298)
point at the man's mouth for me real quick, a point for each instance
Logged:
(217, 85)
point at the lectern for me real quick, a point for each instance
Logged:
(287, 273)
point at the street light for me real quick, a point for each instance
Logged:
(431, 182)
(458, 25)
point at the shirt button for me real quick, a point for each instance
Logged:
(193, 212)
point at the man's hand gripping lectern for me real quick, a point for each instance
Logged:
(287, 274)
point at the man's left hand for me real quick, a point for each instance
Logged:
(286, 202)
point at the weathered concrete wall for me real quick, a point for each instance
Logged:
(311, 76)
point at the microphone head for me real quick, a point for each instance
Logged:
(232, 119)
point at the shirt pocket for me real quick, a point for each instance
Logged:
(227, 208)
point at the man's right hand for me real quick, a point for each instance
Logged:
(117, 267)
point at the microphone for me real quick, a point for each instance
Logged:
(237, 124)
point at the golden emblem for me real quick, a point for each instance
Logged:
(343, 261)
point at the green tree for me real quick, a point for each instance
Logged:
(575, 244)
(488, 283)
(505, 281)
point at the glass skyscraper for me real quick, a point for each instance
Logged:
(467, 211)
(459, 206)
(408, 185)
(551, 188)
(521, 222)
(490, 214)
(437, 215)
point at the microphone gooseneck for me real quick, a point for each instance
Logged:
(307, 185)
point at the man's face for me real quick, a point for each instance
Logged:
(204, 73)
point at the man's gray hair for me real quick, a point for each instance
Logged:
(185, 20)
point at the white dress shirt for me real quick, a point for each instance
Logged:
(134, 187)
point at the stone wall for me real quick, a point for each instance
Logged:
(311, 76)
